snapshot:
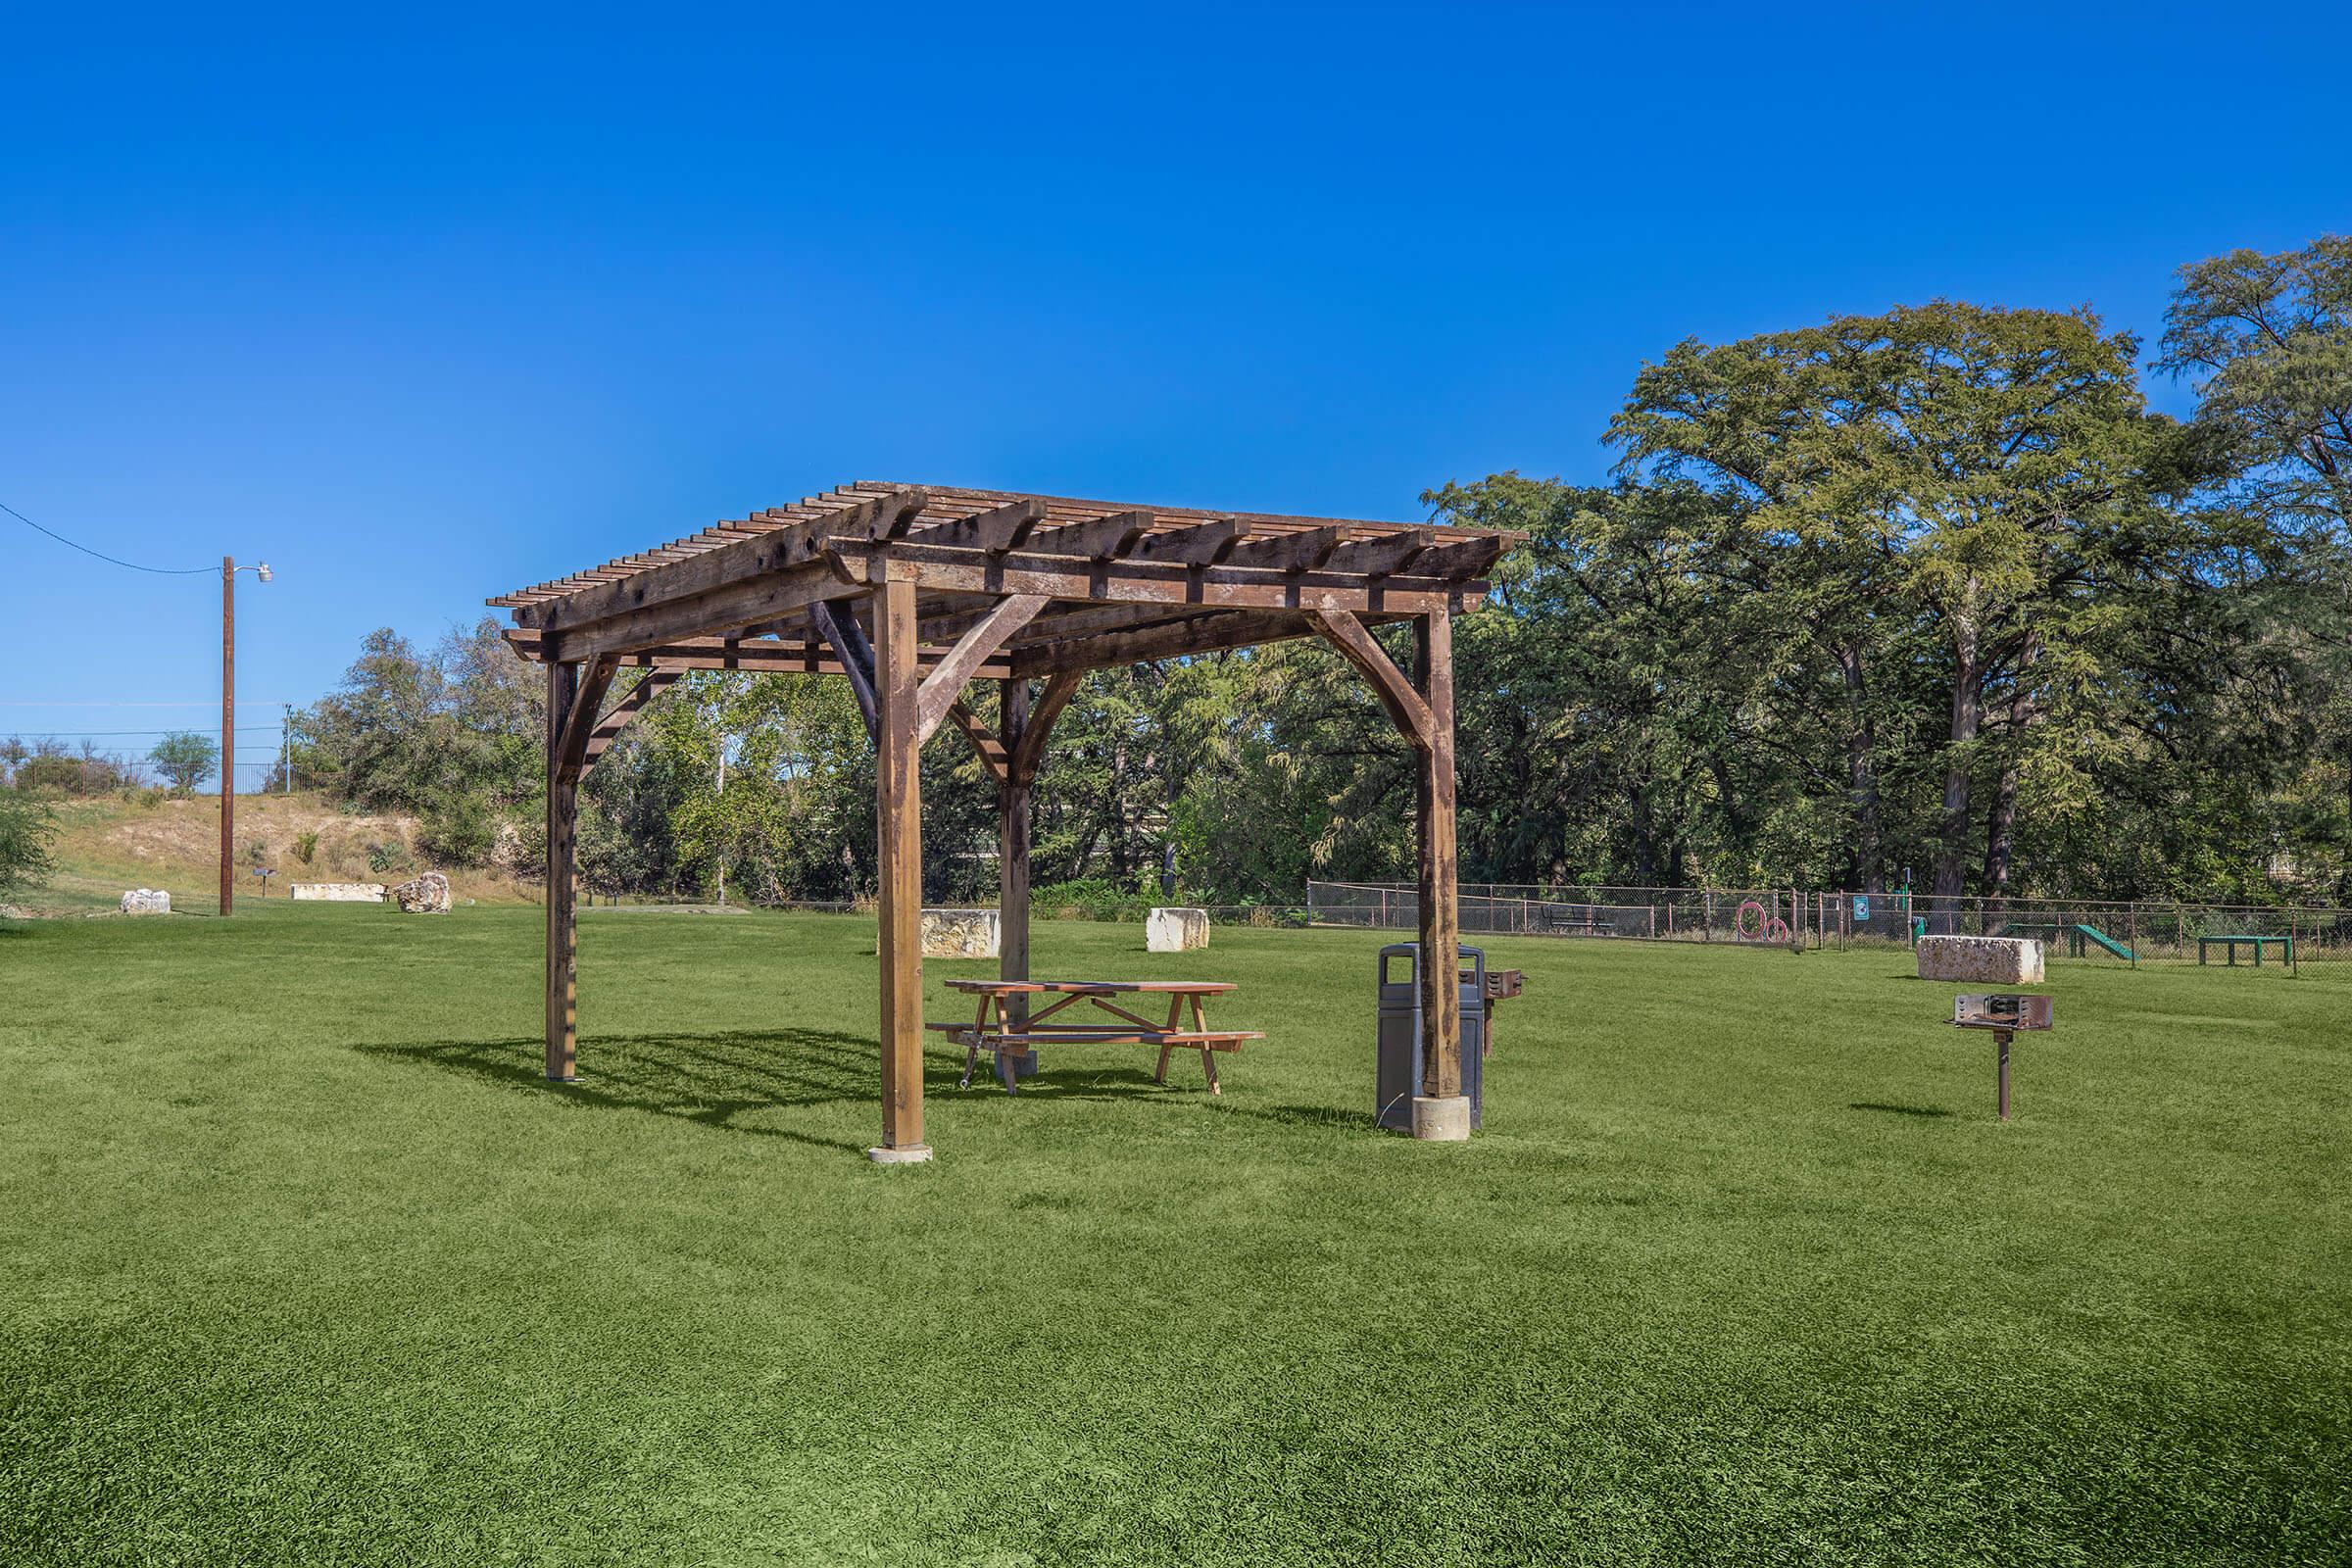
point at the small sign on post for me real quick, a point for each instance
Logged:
(265, 873)
(2005, 1014)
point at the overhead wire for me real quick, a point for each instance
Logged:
(114, 560)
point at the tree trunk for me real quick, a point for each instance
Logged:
(2000, 821)
(1966, 718)
(1862, 773)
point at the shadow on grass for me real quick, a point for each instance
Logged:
(711, 1080)
(1068, 1076)
(1326, 1118)
(1898, 1111)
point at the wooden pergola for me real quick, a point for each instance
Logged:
(910, 593)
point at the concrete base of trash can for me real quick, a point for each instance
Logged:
(912, 1154)
(1442, 1121)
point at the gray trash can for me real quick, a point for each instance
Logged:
(1400, 1032)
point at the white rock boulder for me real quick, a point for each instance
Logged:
(341, 892)
(424, 894)
(1982, 960)
(960, 933)
(146, 901)
(1175, 930)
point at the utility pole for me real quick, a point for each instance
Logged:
(285, 756)
(723, 789)
(228, 733)
(228, 725)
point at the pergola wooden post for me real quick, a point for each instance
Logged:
(1012, 848)
(965, 585)
(1442, 1108)
(899, 864)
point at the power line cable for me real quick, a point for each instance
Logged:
(118, 734)
(160, 571)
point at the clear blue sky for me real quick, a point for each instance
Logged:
(420, 308)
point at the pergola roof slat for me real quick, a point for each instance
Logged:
(1109, 571)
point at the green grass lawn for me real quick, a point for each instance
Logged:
(301, 1262)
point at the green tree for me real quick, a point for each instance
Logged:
(2267, 341)
(1983, 464)
(186, 758)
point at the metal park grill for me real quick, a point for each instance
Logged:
(2006, 1015)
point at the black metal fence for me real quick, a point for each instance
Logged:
(2109, 931)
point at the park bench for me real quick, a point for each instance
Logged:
(1011, 1037)
(1575, 919)
(2231, 944)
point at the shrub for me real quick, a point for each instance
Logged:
(389, 855)
(306, 844)
(1091, 899)
(26, 825)
(461, 830)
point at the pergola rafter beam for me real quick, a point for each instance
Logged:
(1096, 539)
(1304, 551)
(996, 530)
(1203, 544)
(1385, 555)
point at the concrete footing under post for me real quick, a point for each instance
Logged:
(912, 1154)
(1442, 1121)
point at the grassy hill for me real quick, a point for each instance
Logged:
(143, 839)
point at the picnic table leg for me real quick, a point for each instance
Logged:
(1209, 1058)
(1159, 1074)
(1008, 1068)
(971, 1044)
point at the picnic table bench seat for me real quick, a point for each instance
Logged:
(1006, 1036)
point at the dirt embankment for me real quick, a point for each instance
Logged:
(107, 845)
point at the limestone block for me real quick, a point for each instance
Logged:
(341, 892)
(1176, 930)
(960, 933)
(146, 901)
(1982, 960)
(424, 894)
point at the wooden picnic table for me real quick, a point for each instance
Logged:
(1011, 1036)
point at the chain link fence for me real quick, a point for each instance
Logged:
(2104, 931)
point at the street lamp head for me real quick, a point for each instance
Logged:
(263, 571)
